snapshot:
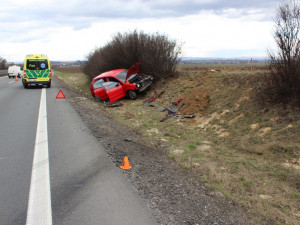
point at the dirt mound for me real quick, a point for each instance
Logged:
(196, 101)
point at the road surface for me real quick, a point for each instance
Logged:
(64, 169)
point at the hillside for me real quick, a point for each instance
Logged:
(241, 150)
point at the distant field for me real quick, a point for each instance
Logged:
(69, 69)
(257, 66)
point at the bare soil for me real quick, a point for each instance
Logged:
(174, 194)
(195, 101)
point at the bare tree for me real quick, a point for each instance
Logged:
(283, 83)
(158, 54)
(2, 63)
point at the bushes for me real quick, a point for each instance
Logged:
(159, 55)
(282, 85)
(2, 63)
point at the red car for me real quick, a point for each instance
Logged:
(117, 84)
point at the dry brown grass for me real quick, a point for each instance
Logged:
(247, 152)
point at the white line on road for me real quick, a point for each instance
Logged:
(39, 204)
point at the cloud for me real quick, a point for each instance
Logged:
(31, 17)
(89, 10)
(70, 29)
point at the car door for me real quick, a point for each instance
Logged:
(114, 90)
(99, 90)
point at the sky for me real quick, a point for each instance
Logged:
(70, 30)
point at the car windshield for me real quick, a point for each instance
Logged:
(122, 76)
(37, 64)
(98, 84)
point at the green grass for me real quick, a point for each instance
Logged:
(78, 81)
(295, 194)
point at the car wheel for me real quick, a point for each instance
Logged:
(131, 94)
(49, 85)
(25, 85)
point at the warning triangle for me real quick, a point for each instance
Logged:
(60, 94)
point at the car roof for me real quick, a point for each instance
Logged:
(111, 73)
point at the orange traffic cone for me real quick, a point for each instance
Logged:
(125, 164)
(16, 78)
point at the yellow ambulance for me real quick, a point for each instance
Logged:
(37, 70)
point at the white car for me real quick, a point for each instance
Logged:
(14, 71)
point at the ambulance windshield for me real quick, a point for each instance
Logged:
(37, 64)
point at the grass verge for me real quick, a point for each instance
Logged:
(244, 151)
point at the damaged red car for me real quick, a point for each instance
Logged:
(116, 84)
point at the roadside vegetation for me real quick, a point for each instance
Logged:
(243, 150)
(3, 62)
(74, 77)
(282, 84)
(158, 54)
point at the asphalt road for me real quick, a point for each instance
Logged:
(85, 186)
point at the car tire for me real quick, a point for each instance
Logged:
(49, 85)
(25, 86)
(131, 94)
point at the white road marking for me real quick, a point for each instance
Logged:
(39, 204)
(11, 82)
